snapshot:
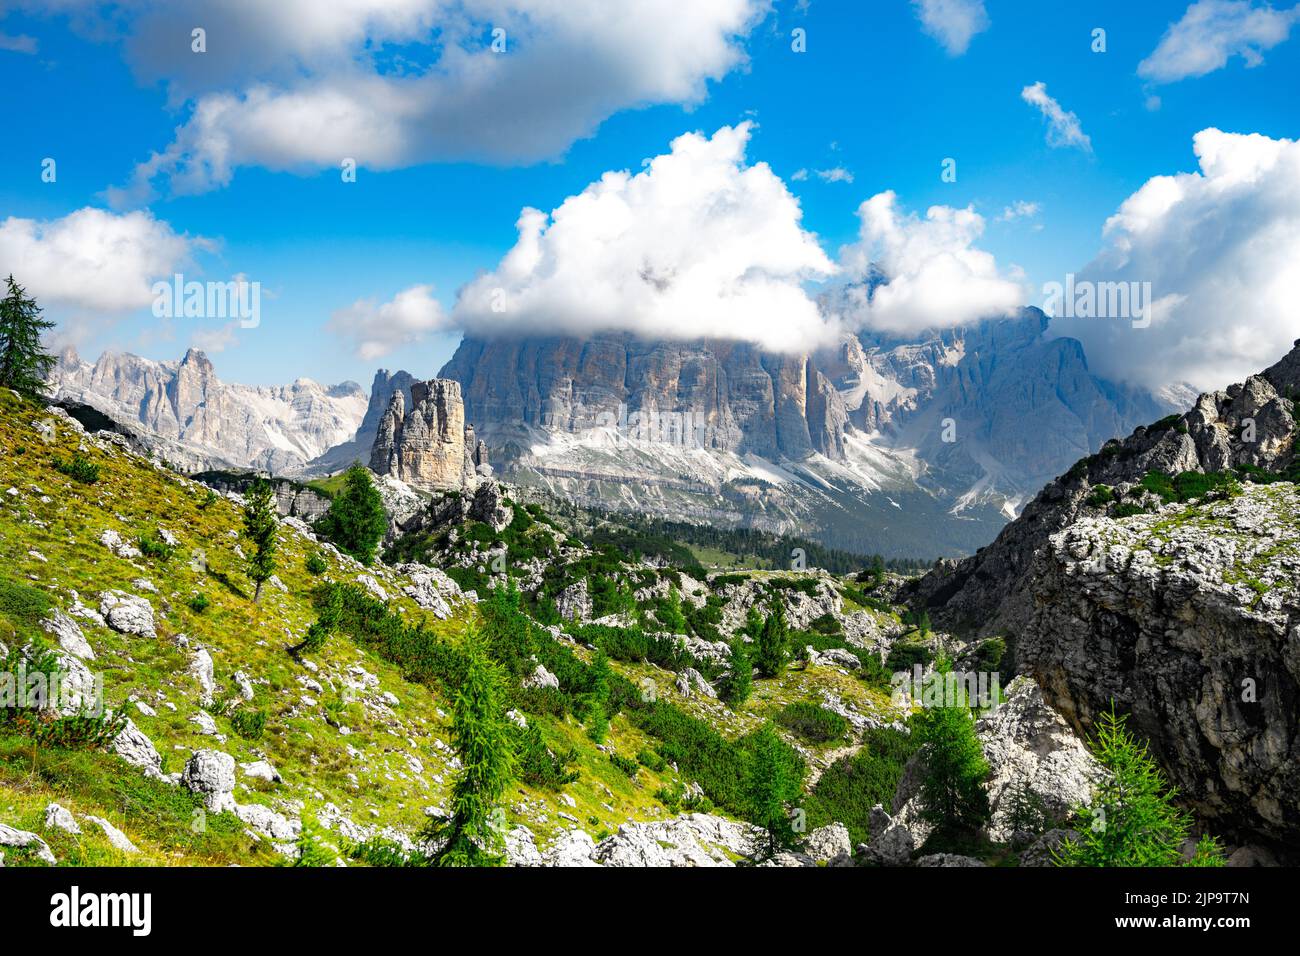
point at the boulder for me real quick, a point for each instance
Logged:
(830, 845)
(22, 840)
(67, 632)
(211, 774)
(60, 818)
(127, 614)
(115, 836)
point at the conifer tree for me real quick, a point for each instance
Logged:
(773, 642)
(771, 783)
(260, 525)
(740, 679)
(356, 520)
(326, 623)
(507, 630)
(598, 676)
(952, 794)
(24, 363)
(1132, 820)
(482, 736)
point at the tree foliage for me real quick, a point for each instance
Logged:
(24, 363)
(260, 526)
(483, 738)
(773, 642)
(356, 520)
(1132, 820)
(952, 793)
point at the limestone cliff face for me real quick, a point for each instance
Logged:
(738, 398)
(1189, 621)
(428, 446)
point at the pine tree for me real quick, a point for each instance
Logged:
(773, 643)
(771, 783)
(24, 363)
(326, 623)
(598, 677)
(482, 736)
(356, 520)
(952, 795)
(260, 525)
(740, 680)
(1132, 820)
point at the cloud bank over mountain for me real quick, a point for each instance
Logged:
(1221, 249)
(697, 244)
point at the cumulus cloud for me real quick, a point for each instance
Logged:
(697, 244)
(1213, 31)
(1063, 127)
(94, 260)
(933, 275)
(1221, 250)
(376, 329)
(952, 22)
(300, 85)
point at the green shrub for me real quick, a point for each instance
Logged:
(316, 564)
(626, 764)
(651, 760)
(152, 545)
(79, 468)
(1101, 495)
(905, 655)
(199, 603)
(813, 722)
(541, 767)
(851, 786)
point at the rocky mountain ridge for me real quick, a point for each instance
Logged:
(218, 425)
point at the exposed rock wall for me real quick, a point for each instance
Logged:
(1189, 620)
(430, 445)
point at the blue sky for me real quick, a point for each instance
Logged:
(875, 95)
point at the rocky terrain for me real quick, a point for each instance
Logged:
(1160, 574)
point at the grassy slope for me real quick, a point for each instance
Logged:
(343, 745)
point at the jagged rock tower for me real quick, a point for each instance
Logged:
(430, 446)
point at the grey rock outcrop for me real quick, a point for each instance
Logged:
(211, 774)
(425, 446)
(1189, 620)
(1027, 744)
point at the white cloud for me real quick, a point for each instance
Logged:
(1063, 127)
(800, 175)
(20, 43)
(376, 329)
(1221, 249)
(1213, 31)
(697, 244)
(952, 22)
(1020, 209)
(836, 175)
(935, 276)
(93, 259)
(300, 85)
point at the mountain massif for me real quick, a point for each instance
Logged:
(923, 447)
